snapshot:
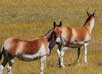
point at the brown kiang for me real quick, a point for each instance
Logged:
(28, 50)
(75, 38)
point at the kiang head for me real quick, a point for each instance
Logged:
(91, 15)
(54, 35)
(57, 31)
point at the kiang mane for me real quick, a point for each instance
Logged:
(87, 20)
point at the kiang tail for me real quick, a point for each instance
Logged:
(1, 52)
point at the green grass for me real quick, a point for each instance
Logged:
(30, 18)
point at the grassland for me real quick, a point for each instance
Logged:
(31, 18)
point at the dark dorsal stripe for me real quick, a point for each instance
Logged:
(51, 36)
(87, 20)
(48, 33)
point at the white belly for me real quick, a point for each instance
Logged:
(29, 57)
(71, 45)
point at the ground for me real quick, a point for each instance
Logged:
(30, 18)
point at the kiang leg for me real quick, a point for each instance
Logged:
(60, 53)
(5, 61)
(85, 53)
(10, 63)
(62, 61)
(78, 55)
(42, 62)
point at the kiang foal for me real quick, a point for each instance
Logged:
(75, 38)
(28, 50)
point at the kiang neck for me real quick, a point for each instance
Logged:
(51, 40)
(48, 34)
(52, 43)
(90, 25)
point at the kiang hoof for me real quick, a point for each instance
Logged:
(86, 62)
(62, 66)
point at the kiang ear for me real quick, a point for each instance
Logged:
(94, 13)
(54, 24)
(88, 13)
(60, 23)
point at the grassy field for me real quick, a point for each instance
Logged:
(30, 18)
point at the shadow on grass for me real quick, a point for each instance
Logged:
(99, 63)
(67, 64)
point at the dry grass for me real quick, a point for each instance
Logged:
(31, 18)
